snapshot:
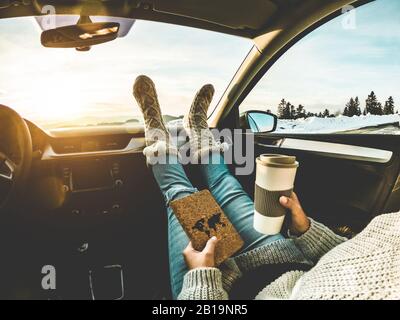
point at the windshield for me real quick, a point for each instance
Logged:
(64, 87)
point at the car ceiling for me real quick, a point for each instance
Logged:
(249, 18)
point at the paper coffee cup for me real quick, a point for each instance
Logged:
(275, 175)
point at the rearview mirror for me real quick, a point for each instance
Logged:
(259, 121)
(80, 35)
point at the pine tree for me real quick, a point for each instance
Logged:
(372, 105)
(326, 113)
(389, 106)
(292, 111)
(357, 104)
(281, 109)
(379, 109)
(352, 108)
(300, 112)
(284, 110)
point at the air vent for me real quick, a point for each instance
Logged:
(66, 146)
(90, 144)
(114, 143)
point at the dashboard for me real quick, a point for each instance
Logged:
(72, 167)
(89, 203)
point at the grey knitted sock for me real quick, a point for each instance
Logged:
(145, 94)
(158, 138)
(195, 123)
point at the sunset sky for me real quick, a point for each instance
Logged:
(57, 85)
(62, 86)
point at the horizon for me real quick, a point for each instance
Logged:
(361, 101)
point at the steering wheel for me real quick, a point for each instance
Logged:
(15, 157)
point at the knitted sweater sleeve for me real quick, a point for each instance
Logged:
(317, 241)
(203, 284)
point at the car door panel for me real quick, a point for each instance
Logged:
(339, 189)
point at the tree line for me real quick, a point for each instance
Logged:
(372, 106)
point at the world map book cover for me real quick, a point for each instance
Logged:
(202, 218)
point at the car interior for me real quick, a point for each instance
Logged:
(83, 199)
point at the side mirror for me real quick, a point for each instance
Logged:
(259, 121)
(80, 35)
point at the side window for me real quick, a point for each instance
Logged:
(343, 77)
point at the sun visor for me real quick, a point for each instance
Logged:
(235, 14)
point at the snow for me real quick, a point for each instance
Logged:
(338, 124)
(332, 125)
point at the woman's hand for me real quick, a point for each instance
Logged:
(204, 259)
(299, 222)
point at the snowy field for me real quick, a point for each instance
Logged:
(388, 124)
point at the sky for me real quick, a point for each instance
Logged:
(58, 87)
(332, 64)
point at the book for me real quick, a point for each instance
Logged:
(202, 218)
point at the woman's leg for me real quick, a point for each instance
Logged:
(226, 190)
(167, 171)
(234, 201)
(174, 184)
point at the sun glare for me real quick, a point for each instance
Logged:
(54, 103)
(55, 99)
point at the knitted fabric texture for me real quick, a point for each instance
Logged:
(198, 283)
(202, 141)
(145, 94)
(158, 138)
(281, 287)
(365, 267)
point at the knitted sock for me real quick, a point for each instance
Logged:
(202, 141)
(156, 134)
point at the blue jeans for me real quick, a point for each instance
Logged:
(229, 194)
